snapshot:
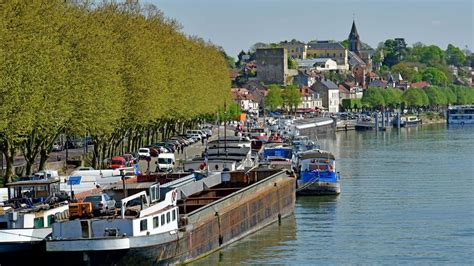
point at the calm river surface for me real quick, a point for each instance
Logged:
(407, 198)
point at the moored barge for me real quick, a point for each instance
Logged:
(189, 222)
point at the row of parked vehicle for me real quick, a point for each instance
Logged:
(174, 143)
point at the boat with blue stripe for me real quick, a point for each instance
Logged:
(317, 173)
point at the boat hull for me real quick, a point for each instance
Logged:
(207, 230)
(320, 189)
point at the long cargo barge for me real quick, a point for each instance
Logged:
(191, 221)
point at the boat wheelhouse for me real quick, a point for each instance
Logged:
(317, 173)
(28, 214)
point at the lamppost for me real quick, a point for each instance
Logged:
(122, 174)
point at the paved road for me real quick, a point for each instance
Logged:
(190, 152)
(54, 156)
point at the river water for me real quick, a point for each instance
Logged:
(407, 198)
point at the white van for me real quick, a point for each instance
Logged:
(165, 162)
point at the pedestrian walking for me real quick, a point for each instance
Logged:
(202, 141)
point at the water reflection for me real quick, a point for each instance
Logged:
(262, 246)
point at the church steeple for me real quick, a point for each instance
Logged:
(354, 40)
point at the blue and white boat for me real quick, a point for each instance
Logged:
(317, 173)
(460, 114)
(277, 156)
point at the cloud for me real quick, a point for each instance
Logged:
(435, 23)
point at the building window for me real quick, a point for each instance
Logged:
(162, 219)
(168, 217)
(156, 221)
(143, 225)
(327, 54)
(174, 215)
(340, 55)
(334, 55)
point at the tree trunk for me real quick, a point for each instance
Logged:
(44, 156)
(9, 153)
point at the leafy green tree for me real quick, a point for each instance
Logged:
(450, 96)
(373, 98)
(292, 97)
(292, 64)
(415, 98)
(274, 98)
(392, 97)
(454, 56)
(435, 96)
(408, 72)
(434, 76)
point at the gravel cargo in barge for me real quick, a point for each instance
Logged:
(192, 221)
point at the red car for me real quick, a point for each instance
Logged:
(118, 162)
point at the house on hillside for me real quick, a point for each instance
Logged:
(329, 49)
(310, 99)
(329, 93)
(305, 78)
(296, 49)
(318, 64)
(247, 102)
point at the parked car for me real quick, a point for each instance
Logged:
(101, 204)
(143, 153)
(207, 131)
(57, 147)
(129, 159)
(74, 144)
(118, 162)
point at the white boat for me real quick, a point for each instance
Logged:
(406, 121)
(461, 114)
(26, 218)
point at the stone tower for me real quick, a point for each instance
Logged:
(354, 39)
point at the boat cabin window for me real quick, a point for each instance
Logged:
(174, 214)
(38, 222)
(317, 165)
(168, 217)
(50, 220)
(154, 192)
(143, 225)
(162, 219)
(156, 221)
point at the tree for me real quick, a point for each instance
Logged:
(408, 72)
(392, 97)
(415, 98)
(450, 96)
(292, 64)
(454, 56)
(373, 98)
(435, 96)
(292, 97)
(434, 76)
(274, 98)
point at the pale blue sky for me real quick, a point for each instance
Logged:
(238, 24)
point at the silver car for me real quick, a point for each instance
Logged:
(101, 204)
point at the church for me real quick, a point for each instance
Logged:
(360, 56)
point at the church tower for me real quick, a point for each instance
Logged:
(354, 40)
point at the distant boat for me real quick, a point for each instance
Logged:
(317, 173)
(409, 120)
(461, 114)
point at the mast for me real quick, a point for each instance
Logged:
(225, 127)
(218, 134)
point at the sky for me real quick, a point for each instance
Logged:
(238, 24)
